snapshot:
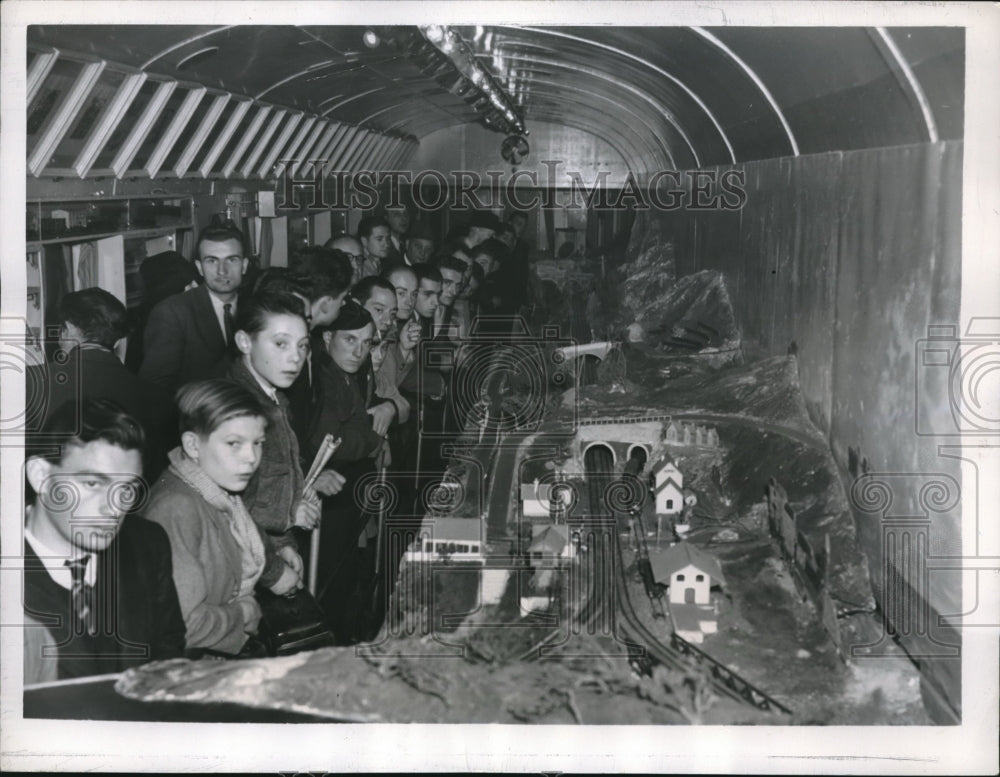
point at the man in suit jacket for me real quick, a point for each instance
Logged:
(398, 217)
(92, 322)
(187, 335)
(98, 580)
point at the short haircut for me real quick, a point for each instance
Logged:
(76, 423)
(387, 274)
(206, 405)
(253, 313)
(368, 223)
(98, 314)
(493, 248)
(364, 288)
(327, 269)
(283, 279)
(219, 233)
(452, 263)
(426, 272)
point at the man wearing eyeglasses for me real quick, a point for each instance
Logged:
(188, 334)
(350, 247)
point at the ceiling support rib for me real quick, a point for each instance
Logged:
(227, 132)
(248, 137)
(174, 129)
(332, 145)
(201, 135)
(618, 84)
(346, 145)
(899, 66)
(106, 124)
(267, 166)
(60, 122)
(321, 132)
(757, 81)
(184, 43)
(646, 63)
(123, 159)
(261, 143)
(283, 147)
(44, 60)
(649, 131)
(375, 155)
(358, 146)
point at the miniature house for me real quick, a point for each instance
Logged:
(688, 572)
(456, 539)
(551, 542)
(668, 487)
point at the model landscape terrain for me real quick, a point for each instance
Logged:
(546, 582)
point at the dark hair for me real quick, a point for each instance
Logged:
(507, 228)
(220, 233)
(98, 314)
(163, 275)
(253, 313)
(364, 288)
(426, 272)
(327, 269)
(476, 271)
(367, 225)
(452, 263)
(352, 316)
(206, 405)
(76, 423)
(493, 248)
(516, 214)
(282, 279)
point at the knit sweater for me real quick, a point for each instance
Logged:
(218, 554)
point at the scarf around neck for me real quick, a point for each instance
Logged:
(241, 525)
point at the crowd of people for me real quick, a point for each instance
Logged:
(169, 495)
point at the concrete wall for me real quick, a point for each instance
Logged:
(851, 256)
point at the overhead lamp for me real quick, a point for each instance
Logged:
(371, 39)
(461, 58)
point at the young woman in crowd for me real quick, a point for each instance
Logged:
(218, 552)
(273, 341)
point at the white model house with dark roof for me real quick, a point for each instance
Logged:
(687, 571)
(668, 487)
(689, 574)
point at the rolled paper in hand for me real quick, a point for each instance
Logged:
(323, 455)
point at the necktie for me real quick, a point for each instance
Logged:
(227, 316)
(83, 597)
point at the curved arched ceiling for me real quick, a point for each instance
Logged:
(666, 96)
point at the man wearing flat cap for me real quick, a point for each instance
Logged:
(345, 569)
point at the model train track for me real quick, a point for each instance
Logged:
(678, 654)
(682, 655)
